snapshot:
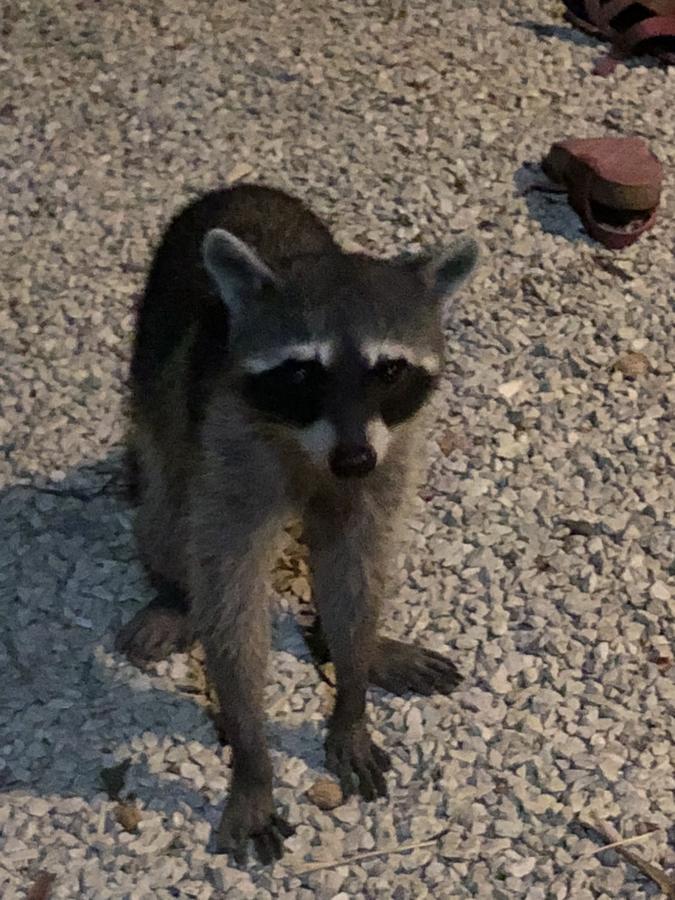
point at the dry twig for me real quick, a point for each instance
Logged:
(658, 876)
(636, 839)
(358, 857)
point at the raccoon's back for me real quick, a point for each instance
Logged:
(179, 303)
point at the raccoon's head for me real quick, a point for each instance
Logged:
(340, 351)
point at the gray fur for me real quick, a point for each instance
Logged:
(448, 270)
(217, 496)
(236, 268)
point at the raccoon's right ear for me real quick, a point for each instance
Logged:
(236, 269)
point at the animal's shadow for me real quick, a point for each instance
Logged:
(568, 32)
(564, 32)
(69, 578)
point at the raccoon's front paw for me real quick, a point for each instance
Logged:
(358, 762)
(153, 634)
(249, 816)
(399, 667)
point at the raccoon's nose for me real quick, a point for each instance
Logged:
(352, 460)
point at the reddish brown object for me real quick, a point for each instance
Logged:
(41, 888)
(647, 26)
(613, 183)
(606, 65)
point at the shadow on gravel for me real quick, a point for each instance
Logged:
(573, 35)
(563, 32)
(548, 204)
(69, 707)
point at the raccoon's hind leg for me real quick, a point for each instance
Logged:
(160, 628)
(400, 667)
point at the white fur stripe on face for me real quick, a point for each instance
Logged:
(318, 440)
(379, 437)
(321, 351)
(374, 351)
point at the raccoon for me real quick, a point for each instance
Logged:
(275, 377)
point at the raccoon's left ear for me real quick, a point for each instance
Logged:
(444, 272)
(236, 269)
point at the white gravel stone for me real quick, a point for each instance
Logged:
(660, 591)
(500, 682)
(508, 828)
(522, 867)
(414, 724)
(38, 807)
(510, 388)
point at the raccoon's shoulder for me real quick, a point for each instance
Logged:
(276, 224)
(281, 228)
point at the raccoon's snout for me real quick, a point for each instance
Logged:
(352, 460)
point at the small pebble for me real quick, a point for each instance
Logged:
(500, 681)
(325, 794)
(660, 591)
(508, 828)
(522, 867)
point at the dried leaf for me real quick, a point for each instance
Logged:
(325, 794)
(41, 888)
(663, 663)
(128, 815)
(632, 364)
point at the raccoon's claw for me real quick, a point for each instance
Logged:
(242, 822)
(269, 844)
(358, 763)
(153, 634)
(400, 668)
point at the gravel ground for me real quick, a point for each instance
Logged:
(542, 554)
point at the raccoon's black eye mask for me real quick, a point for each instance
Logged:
(389, 371)
(292, 392)
(401, 389)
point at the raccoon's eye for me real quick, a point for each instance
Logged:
(299, 373)
(292, 392)
(390, 370)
